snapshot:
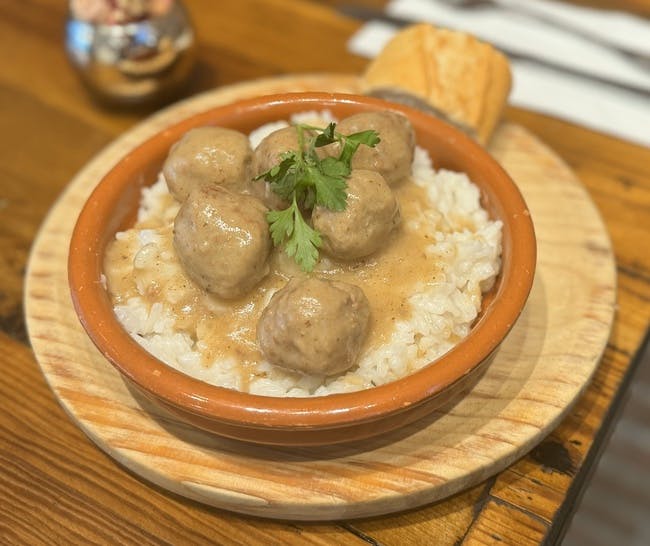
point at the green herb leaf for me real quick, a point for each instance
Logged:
(305, 180)
(280, 225)
(330, 190)
(369, 138)
(284, 176)
(352, 142)
(331, 166)
(301, 242)
(326, 137)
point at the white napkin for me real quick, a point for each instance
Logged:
(614, 27)
(600, 106)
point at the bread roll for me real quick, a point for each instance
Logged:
(454, 73)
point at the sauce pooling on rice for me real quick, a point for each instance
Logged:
(226, 328)
(424, 287)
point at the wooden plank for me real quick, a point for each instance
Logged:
(443, 524)
(500, 523)
(52, 493)
(45, 176)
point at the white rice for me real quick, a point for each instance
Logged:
(442, 310)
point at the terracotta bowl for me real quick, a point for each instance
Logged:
(301, 421)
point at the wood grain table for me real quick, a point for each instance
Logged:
(56, 487)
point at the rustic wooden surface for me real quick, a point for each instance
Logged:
(538, 373)
(57, 487)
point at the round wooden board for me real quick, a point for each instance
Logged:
(539, 371)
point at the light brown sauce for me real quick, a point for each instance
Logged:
(228, 328)
(391, 275)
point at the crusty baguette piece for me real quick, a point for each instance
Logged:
(463, 78)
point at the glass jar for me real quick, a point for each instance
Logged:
(130, 58)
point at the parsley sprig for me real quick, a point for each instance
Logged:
(301, 241)
(305, 180)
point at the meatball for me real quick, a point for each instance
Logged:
(208, 156)
(393, 156)
(268, 154)
(222, 240)
(314, 326)
(371, 213)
